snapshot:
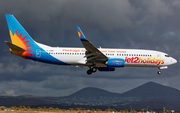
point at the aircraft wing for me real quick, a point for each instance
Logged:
(92, 53)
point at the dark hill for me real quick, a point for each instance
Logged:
(150, 94)
(152, 89)
(93, 92)
(30, 96)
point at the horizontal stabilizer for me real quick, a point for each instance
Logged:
(14, 47)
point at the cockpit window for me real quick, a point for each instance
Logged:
(166, 55)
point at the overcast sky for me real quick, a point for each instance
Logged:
(142, 24)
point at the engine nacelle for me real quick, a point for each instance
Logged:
(106, 69)
(115, 62)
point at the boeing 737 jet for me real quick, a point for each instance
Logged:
(101, 59)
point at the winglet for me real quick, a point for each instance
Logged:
(80, 34)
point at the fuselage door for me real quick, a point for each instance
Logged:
(158, 56)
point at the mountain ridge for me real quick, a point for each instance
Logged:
(149, 94)
(89, 91)
(139, 91)
(151, 88)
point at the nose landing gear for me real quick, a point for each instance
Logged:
(159, 72)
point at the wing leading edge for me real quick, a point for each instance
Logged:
(93, 54)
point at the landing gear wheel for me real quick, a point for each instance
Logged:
(89, 72)
(94, 69)
(159, 72)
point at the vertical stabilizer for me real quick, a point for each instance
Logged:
(19, 36)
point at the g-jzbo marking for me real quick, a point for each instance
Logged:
(38, 53)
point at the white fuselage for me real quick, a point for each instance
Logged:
(132, 57)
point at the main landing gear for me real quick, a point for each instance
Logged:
(91, 70)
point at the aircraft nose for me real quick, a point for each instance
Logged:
(174, 61)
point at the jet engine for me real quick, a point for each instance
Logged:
(115, 62)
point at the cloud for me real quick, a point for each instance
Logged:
(59, 82)
(128, 24)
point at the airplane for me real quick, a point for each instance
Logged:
(102, 59)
